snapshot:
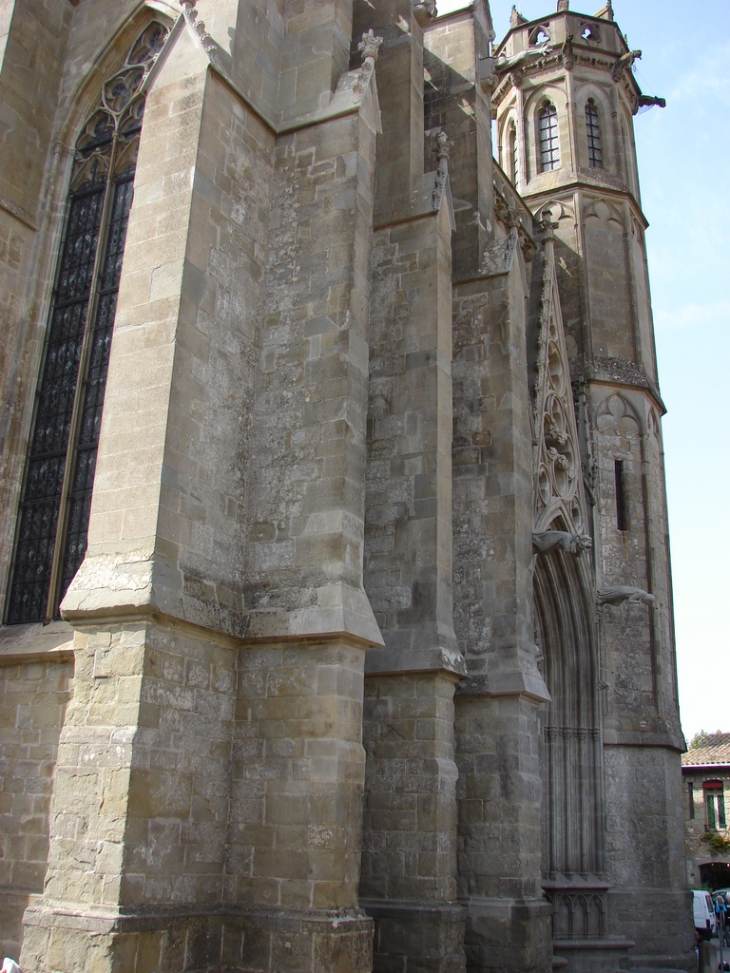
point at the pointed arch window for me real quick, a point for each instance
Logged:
(593, 134)
(53, 517)
(548, 132)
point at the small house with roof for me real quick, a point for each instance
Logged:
(706, 777)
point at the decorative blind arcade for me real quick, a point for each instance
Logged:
(54, 510)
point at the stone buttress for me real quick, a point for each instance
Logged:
(408, 878)
(209, 780)
(498, 705)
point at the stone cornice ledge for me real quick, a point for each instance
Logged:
(136, 585)
(24, 644)
(430, 646)
(404, 908)
(100, 919)
(669, 739)
(508, 682)
(500, 907)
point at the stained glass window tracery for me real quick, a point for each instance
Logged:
(53, 516)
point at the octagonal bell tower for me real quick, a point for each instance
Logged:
(564, 101)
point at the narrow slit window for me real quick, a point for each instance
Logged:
(691, 800)
(549, 143)
(593, 132)
(622, 507)
(53, 516)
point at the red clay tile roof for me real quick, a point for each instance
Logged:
(714, 749)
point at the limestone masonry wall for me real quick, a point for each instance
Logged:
(33, 700)
(368, 666)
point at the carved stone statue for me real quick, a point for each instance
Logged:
(550, 540)
(618, 593)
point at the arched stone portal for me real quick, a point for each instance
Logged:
(571, 749)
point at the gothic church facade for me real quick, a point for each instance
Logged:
(337, 620)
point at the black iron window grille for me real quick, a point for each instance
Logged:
(549, 143)
(53, 516)
(593, 133)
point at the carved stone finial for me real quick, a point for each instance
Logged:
(563, 5)
(424, 11)
(516, 19)
(369, 46)
(546, 225)
(617, 594)
(512, 217)
(443, 147)
(561, 540)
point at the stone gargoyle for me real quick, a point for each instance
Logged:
(561, 540)
(522, 59)
(618, 593)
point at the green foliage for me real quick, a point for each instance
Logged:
(718, 842)
(700, 739)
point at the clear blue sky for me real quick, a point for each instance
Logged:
(684, 157)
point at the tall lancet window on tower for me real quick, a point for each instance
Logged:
(53, 518)
(593, 132)
(514, 159)
(549, 144)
